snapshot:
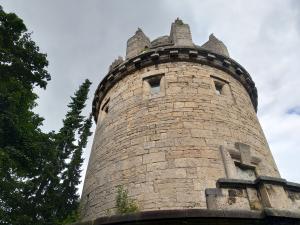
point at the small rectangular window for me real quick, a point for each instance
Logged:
(154, 83)
(218, 87)
(153, 86)
(221, 86)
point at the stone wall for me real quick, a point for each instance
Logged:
(258, 195)
(164, 148)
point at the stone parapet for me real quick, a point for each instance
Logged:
(262, 193)
(201, 217)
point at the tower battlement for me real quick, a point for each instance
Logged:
(177, 129)
(180, 36)
(178, 46)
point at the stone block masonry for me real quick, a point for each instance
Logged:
(177, 128)
(170, 144)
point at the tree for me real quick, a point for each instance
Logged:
(70, 153)
(39, 172)
(57, 192)
(22, 67)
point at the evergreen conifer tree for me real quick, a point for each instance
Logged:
(70, 151)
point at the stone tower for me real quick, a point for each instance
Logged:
(177, 128)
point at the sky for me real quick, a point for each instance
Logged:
(82, 38)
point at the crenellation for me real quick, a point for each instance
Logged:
(136, 44)
(180, 34)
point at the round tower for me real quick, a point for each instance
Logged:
(177, 129)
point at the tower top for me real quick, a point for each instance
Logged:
(177, 46)
(180, 35)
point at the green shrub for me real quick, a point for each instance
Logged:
(124, 204)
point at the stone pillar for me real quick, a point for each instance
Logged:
(137, 43)
(180, 34)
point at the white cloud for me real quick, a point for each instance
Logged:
(83, 38)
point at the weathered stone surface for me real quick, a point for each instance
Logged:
(161, 122)
(174, 137)
(200, 216)
(117, 62)
(274, 196)
(137, 43)
(216, 46)
(180, 34)
(154, 157)
(261, 194)
(161, 41)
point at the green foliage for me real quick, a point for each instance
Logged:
(146, 49)
(124, 204)
(22, 144)
(70, 151)
(108, 212)
(39, 172)
(71, 218)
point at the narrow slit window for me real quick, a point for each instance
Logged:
(104, 110)
(154, 83)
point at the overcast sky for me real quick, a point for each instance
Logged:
(82, 38)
